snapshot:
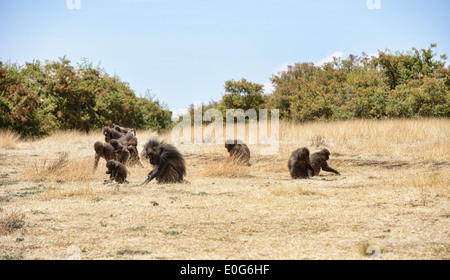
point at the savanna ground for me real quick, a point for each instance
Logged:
(393, 193)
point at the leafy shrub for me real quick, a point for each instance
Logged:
(39, 98)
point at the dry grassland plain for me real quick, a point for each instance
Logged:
(393, 194)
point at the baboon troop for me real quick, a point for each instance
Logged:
(120, 149)
(299, 164)
(168, 163)
(120, 144)
(238, 151)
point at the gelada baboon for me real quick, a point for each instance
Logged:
(319, 161)
(125, 130)
(144, 155)
(111, 134)
(122, 155)
(118, 172)
(168, 163)
(239, 151)
(103, 150)
(299, 164)
(129, 142)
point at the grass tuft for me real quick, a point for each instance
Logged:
(8, 139)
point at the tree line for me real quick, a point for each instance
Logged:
(411, 84)
(37, 98)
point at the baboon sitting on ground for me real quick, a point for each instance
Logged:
(239, 151)
(168, 163)
(299, 164)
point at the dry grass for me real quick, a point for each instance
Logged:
(11, 221)
(393, 194)
(226, 168)
(8, 139)
(60, 169)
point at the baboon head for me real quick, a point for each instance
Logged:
(98, 147)
(111, 165)
(153, 149)
(230, 144)
(106, 131)
(325, 153)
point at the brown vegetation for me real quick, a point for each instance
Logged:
(393, 193)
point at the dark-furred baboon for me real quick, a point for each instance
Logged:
(125, 130)
(144, 155)
(239, 151)
(319, 161)
(118, 172)
(125, 140)
(111, 134)
(122, 155)
(129, 142)
(168, 163)
(103, 150)
(299, 163)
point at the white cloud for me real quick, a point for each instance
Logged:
(329, 58)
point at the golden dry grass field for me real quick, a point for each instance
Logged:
(393, 193)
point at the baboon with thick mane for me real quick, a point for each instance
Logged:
(239, 151)
(299, 163)
(118, 172)
(103, 150)
(319, 161)
(168, 163)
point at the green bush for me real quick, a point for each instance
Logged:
(39, 98)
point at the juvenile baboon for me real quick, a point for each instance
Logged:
(125, 130)
(319, 161)
(168, 163)
(111, 134)
(103, 150)
(122, 155)
(299, 164)
(118, 172)
(238, 151)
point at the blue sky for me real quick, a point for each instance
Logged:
(184, 51)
